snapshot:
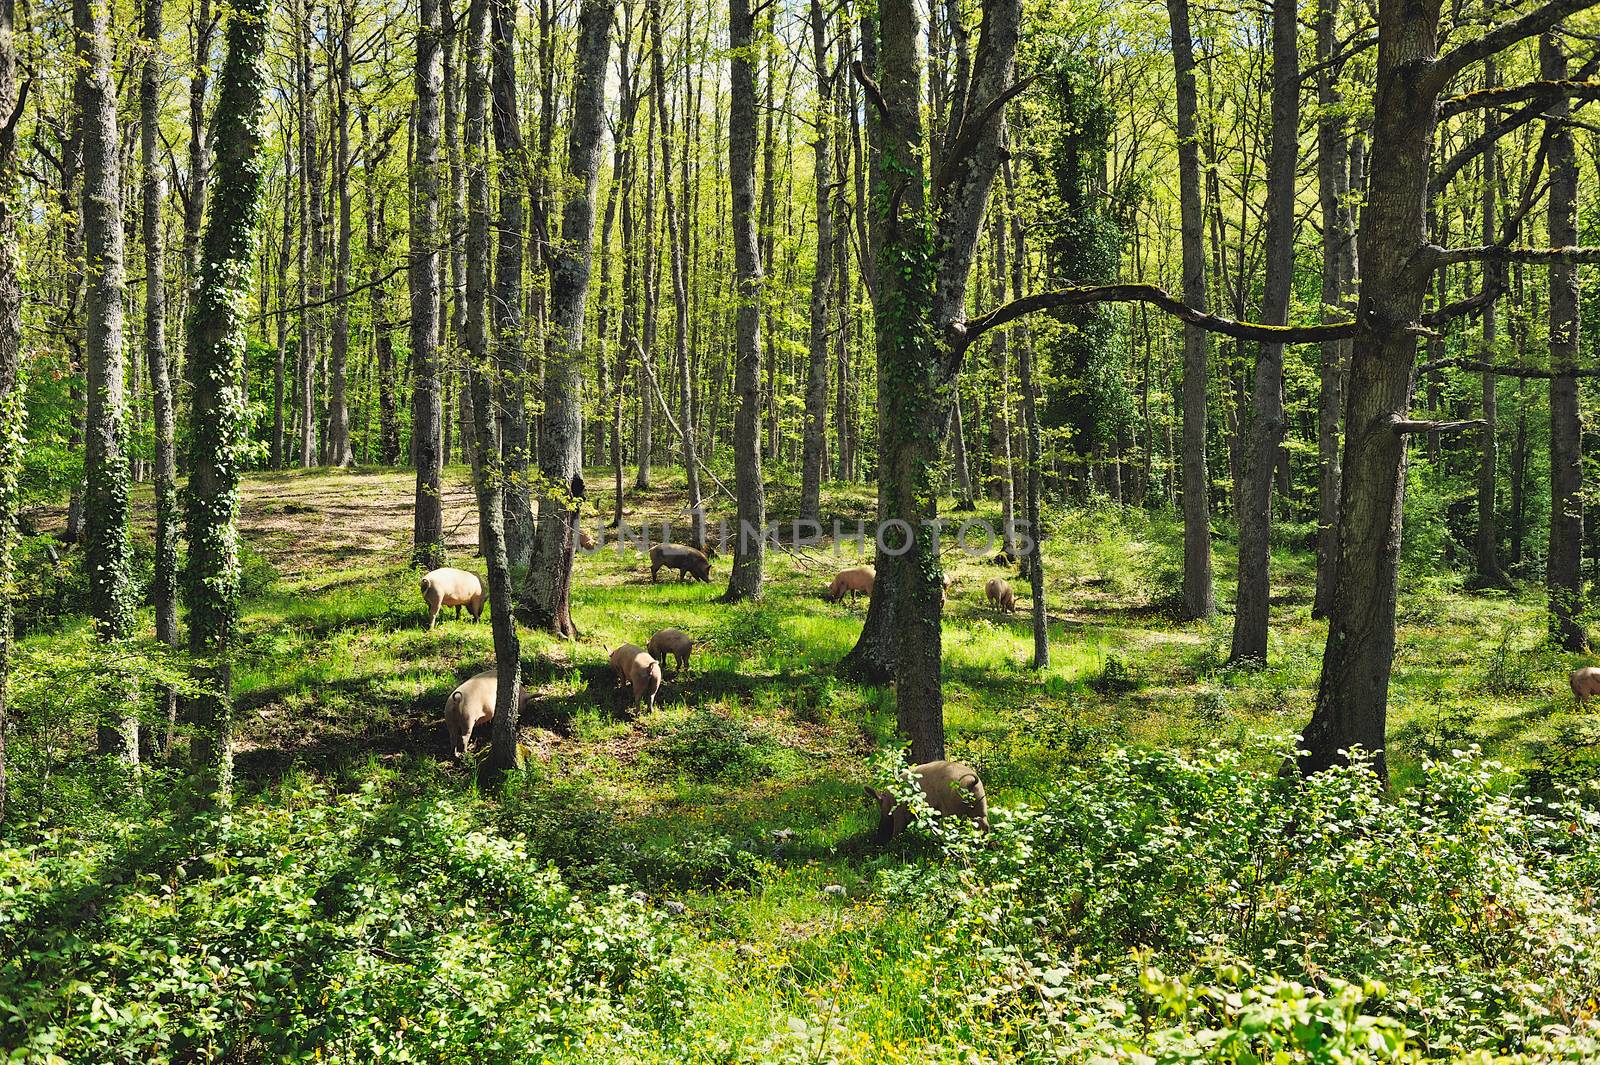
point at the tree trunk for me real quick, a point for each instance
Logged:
(489, 473)
(1252, 609)
(1490, 574)
(1199, 596)
(194, 199)
(1563, 575)
(13, 411)
(311, 252)
(749, 552)
(511, 358)
(1333, 191)
(1000, 456)
(280, 368)
(108, 551)
(1033, 557)
(546, 598)
(339, 449)
(164, 581)
(427, 532)
(814, 437)
(216, 363)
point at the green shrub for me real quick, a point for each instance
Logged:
(715, 748)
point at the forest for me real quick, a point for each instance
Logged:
(852, 531)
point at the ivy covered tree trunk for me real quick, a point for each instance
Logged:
(1563, 571)
(13, 412)
(1252, 605)
(164, 582)
(749, 550)
(488, 472)
(423, 269)
(1199, 593)
(217, 341)
(813, 443)
(108, 552)
(546, 600)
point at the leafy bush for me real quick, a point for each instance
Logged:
(346, 928)
(710, 748)
(1514, 671)
(1114, 677)
(1197, 908)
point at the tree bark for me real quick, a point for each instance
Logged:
(1490, 573)
(1034, 556)
(1252, 605)
(546, 598)
(108, 550)
(164, 581)
(749, 552)
(194, 198)
(13, 411)
(814, 437)
(489, 474)
(312, 251)
(1563, 573)
(1199, 596)
(339, 449)
(423, 269)
(217, 337)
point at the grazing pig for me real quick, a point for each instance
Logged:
(951, 788)
(674, 642)
(452, 587)
(1001, 597)
(858, 580)
(471, 705)
(585, 540)
(686, 560)
(944, 594)
(636, 667)
(1585, 682)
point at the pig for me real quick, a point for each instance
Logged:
(856, 580)
(686, 560)
(944, 594)
(452, 587)
(951, 788)
(636, 667)
(471, 705)
(1585, 682)
(1001, 597)
(586, 541)
(672, 642)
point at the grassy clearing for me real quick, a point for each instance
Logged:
(738, 799)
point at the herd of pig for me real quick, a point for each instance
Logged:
(951, 788)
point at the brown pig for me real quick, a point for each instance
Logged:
(1585, 682)
(452, 587)
(471, 705)
(636, 667)
(686, 560)
(944, 594)
(858, 580)
(1001, 597)
(951, 788)
(586, 540)
(674, 642)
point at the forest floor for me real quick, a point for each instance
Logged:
(759, 748)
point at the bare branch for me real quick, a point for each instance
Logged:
(1499, 253)
(972, 128)
(1540, 91)
(874, 93)
(1397, 424)
(962, 334)
(1504, 36)
(1534, 373)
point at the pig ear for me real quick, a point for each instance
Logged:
(872, 796)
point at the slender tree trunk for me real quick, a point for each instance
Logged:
(340, 452)
(1000, 456)
(164, 581)
(1033, 557)
(546, 598)
(814, 437)
(13, 411)
(511, 358)
(1252, 610)
(1490, 574)
(1199, 596)
(423, 269)
(1333, 191)
(280, 364)
(216, 363)
(108, 551)
(749, 552)
(194, 200)
(1563, 575)
(312, 252)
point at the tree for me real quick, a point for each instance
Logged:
(1487, 540)
(1563, 573)
(217, 339)
(164, 581)
(814, 441)
(108, 552)
(423, 268)
(13, 412)
(1199, 594)
(340, 452)
(749, 551)
(547, 594)
(488, 473)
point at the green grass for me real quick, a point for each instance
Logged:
(338, 679)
